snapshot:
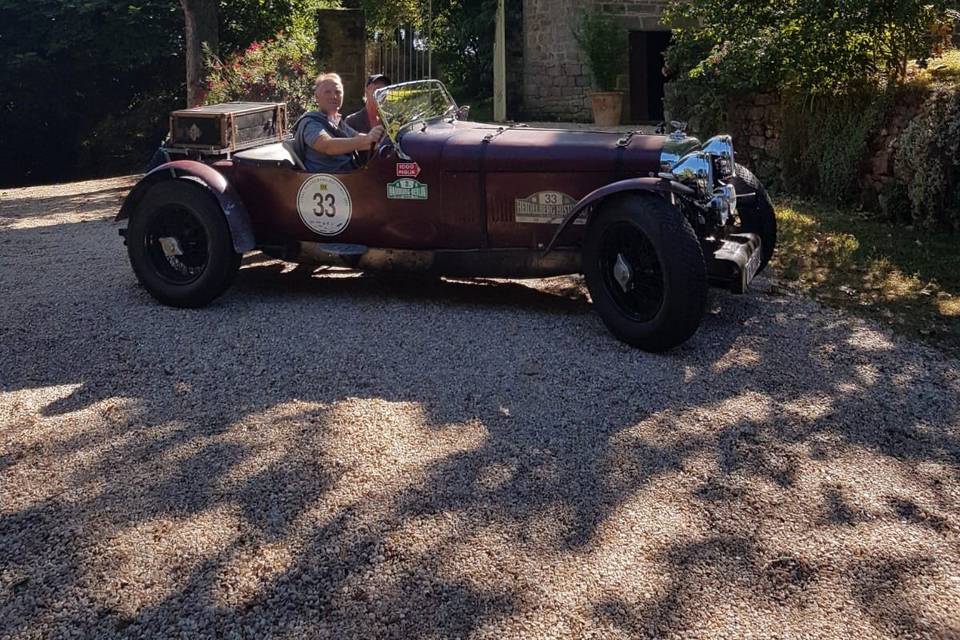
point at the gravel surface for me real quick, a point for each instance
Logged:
(345, 456)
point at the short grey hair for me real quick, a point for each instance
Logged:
(326, 77)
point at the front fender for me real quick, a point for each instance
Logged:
(654, 185)
(238, 219)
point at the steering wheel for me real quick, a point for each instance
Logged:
(384, 146)
(381, 149)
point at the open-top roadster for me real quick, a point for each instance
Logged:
(649, 220)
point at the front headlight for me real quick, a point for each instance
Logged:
(696, 170)
(724, 202)
(675, 147)
(721, 148)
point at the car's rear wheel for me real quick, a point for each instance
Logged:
(180, 245)
(645, 272)
(756, 212)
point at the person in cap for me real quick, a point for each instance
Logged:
(367, 116)
(323, 140)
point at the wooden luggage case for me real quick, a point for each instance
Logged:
(231, 126)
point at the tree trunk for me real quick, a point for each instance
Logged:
(202, 27)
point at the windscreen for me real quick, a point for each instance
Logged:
(403, 104)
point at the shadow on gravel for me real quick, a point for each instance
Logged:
(343, 456)
(41, 208)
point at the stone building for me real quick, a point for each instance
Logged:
(556, 78)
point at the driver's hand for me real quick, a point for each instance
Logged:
(376, 133)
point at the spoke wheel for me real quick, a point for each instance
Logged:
(631, 271)
(645, 271)
(180, 245)
(176, 244)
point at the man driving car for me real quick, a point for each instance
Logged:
(324, 141)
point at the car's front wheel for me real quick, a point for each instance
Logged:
(180, 246)
(645, 272)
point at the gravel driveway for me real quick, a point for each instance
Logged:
(344, 456)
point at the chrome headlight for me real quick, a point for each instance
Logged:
(696, 170)
(724, 202)
(675, 147)
(721, 148)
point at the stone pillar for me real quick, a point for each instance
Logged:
(555, 78)
(341, 48)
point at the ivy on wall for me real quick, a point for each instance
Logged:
(927, 162)
(824, 148)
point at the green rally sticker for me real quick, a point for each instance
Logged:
(406, 189)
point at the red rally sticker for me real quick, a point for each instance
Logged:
(408, 169)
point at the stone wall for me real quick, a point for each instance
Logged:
(556, 78)
(878, 173)
(756, 123)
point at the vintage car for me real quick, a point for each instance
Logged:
(649, 220)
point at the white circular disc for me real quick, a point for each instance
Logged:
(324, 205)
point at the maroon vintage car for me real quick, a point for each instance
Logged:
(649, 220)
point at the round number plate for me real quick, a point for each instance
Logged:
(324, 205)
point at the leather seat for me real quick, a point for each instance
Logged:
(291, 149)
(278, 153)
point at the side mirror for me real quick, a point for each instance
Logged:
(463, 112)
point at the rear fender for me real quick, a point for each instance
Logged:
(649, 185)
(238, 219)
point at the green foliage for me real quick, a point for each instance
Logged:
(846, 59)
(87, 85)
(824, 142)
(68, 65)
(927, 161)
(246, 21)
(462, 41)
(603, 39)
(280, 69)
(813, 46)
(384, 17)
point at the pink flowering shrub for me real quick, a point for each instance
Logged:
(281, 69)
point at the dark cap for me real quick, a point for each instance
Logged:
(375, 77)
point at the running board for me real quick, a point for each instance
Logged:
(736, 262)
(479, 263)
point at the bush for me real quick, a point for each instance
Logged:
(826, 141)
(603, 39)
(124, 141)
(927, 161)
(277, 70)
(838, 66)
(810, 46)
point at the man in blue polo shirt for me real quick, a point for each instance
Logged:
(324, 141)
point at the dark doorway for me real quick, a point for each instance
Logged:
(646, 77)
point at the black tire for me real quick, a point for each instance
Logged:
(662, 303)
(183, 210)
(756, 214)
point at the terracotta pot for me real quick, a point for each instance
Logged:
(607, 106)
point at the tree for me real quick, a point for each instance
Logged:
(812, 46)
(202, 32)
(67, 68)
(462, 41)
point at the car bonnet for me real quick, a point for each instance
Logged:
(461, 147)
